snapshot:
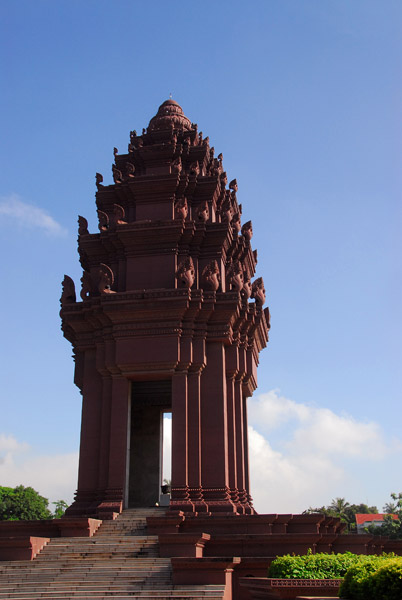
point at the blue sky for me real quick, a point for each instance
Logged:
(303, 99)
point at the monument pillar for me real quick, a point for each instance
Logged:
(168, 319)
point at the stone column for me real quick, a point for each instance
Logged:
(105, 433)
(180, 499)
(114, 493)
(214, 431)
(239, 433)
(249, 505)
(194, 441)
(87, 490)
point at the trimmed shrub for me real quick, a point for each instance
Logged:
(386, 582)
(312, 566)
(374, 578)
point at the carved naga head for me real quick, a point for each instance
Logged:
(203, 212)
(258, 291)
(181, 208)
(210, 276)
(106, 279)
(247, 289)
(236, 223)
(247, 230)
(185, 273)
(236, 276)
(68, 293)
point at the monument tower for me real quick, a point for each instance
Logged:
(169, 319)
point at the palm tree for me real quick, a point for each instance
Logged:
(390, 508)
(339, 506)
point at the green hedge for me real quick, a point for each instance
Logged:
(365, 577)
(312, 566)
(375, 578)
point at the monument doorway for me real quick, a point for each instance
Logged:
(149, 401)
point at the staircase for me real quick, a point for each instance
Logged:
(119, 561)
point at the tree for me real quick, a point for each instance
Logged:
(339, 506)
(60, 508)
(345, 511)
(391, 527)
(390, 508)
(22, 503)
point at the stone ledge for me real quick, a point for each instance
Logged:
(291, 589)
(182, 544)
(66, 527)
(21, 547)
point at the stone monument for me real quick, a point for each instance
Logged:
(169, 319)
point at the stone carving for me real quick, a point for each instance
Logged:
(103, 221)
(86, 288)
(203, 212)
(227, 210)
(247, 231)
(255, 254)
(133, 135)
(169, 116)
(223, 178)
(181, 208)
(119, 214)
(115, 151)
(236, 222)
(247, 289)
(82, 225)
(68, 294)
(233, 185)
(130, 169)
(206, 141)
(194, 168)
(176, 165)
(98, 180)
(185, 273)
(117, 175)
(210, 276)
(258, 291)
(236, 277)
(106, 279)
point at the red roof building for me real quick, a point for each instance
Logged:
(364, 520)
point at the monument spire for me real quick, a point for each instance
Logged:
(169, 319)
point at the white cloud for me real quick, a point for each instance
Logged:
(28, 215)
(8, 443)
(315, 428)
(316, 455)
(53, 476)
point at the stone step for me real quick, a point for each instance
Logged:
(120, 561)
(167, 592)
(162, 593)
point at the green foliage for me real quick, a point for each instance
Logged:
(373, 578)
(345, 511)
(386, 582)
(22, 503)
(365, 577)
(60, 508)
(312, 566)
(390, 526)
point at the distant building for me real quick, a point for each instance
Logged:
(364, 520)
